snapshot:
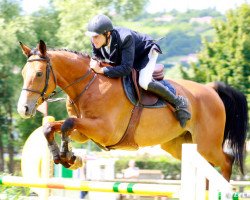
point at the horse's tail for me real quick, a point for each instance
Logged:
(236, 126)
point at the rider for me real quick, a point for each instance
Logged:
(125, 49)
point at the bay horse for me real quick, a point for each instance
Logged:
(99, 110)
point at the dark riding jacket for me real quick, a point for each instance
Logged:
(128, 49)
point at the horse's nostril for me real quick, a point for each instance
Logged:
(26, 109)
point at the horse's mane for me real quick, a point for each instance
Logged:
(84, 55)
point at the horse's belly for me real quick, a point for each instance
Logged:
(157, 126)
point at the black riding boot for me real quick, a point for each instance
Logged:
(180, 103)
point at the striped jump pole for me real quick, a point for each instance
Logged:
(95, 186)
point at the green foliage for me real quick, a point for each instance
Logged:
(169, 166)
(128, 8)
(27, 126)
(47, 18)
(185, 17)
(227, 57)
(173, 73)
(169, 169)
(179, 43)
(13, 193)
(9, 9)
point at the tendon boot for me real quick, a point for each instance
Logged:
(180, 103)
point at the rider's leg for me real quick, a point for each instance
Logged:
(178, 102)
(145, 74)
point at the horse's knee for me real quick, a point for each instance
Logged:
(67, 125)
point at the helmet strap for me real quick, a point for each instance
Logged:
(107, 37)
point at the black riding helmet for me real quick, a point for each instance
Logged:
(100, 24)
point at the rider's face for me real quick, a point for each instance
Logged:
(98, 40)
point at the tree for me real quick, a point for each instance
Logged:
(227, 58)
(8, 10)
(45, 24)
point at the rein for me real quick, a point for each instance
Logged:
(50, 69)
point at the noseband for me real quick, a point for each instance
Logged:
(48, 69)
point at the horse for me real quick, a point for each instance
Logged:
(100, 111)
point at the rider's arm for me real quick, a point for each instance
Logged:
(128, 54)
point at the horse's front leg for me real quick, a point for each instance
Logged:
(92, 128)
(49, 130)
(67, 157)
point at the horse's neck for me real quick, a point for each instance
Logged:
(68, 67)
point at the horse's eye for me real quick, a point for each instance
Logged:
(39, 74)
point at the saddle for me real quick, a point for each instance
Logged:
(146, 98)
(139, 96)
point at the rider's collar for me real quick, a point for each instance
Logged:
(107, 47)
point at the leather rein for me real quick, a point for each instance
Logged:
(50, 69)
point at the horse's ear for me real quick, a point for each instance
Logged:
(42, 48)
(26, 50)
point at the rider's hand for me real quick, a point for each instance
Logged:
(95, 65)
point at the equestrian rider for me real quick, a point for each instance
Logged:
(125, 49)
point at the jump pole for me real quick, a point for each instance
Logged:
(76, 184)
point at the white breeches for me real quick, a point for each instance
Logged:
(145, 75)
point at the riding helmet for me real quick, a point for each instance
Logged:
(98, 25)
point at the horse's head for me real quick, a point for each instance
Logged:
(39, 80)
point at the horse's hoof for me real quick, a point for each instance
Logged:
(77, 163)
(72, 159)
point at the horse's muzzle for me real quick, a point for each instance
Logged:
(26, 111)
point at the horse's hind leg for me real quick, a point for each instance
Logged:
(220, 159)
(227, 169)
(209, 145)
(225, 161)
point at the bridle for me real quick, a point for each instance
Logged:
(50, 69)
